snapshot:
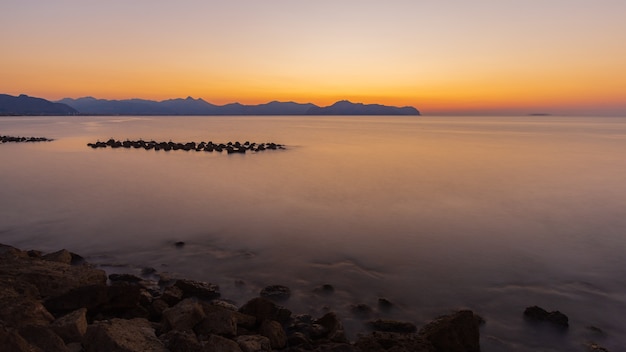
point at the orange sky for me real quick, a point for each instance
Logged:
(444, 57)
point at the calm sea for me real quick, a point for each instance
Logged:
(432, 213)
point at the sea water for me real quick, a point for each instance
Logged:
(434, 214)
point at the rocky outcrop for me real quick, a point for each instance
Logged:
(85, 313)
(230, 148)
(538, 314)
(9, 139)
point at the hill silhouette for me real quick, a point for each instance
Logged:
(191, 106)
(25, 105)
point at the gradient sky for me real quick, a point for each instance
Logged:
(457, 57)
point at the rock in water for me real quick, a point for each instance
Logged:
(536, 313)
(453, 333)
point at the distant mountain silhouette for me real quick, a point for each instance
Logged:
(345, 107)
(191, 106)
(25, 105)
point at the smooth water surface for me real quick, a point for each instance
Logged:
(434, 214)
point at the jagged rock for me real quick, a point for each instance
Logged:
(276, 292)
(384, 304)
(21, 311)
(11, 287)
(129, 278)
(201, 290)
(8, 252)
(536, 313)
(262, 309)
(275, 332)
(220, 344)
(49, 277)
(89, 296)
(325, 289)
(392, 326)
(457, 332)
(298, 339)
(224, 304)
(183, 316)
(393, 342)
(331, 328)
(136, 335)
(181, 341)
(594, 347)
(62, 256)
(156, 309)
(43, 338)
(118, 300)
(217, 320)
(71, 327)
(172, 295)
(254, 343)
(361, 310)
(12, 341)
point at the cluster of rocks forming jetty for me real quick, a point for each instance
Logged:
(7, 139)
(56, 302)
(229, 147)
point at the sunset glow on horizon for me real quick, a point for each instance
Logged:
(445, 57)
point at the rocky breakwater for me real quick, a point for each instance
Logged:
(229, 147)
(9, 139)
(57, 302)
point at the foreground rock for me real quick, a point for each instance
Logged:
(50, 304)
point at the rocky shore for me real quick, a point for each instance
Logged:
(58, 302)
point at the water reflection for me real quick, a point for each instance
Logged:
(493, 214)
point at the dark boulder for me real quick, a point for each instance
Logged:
(538, 314)
(392, 326)
(201, 290)
(393, 342)
(276, 292)
(458, 332)
(262, 309)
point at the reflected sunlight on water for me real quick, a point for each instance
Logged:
(494, 214)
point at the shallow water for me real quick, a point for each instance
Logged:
(433, 213)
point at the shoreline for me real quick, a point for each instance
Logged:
(58, 299)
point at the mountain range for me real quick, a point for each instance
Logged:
(25, 105)
(189, 106)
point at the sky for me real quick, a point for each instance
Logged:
(442, 57)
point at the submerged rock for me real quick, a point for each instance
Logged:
(539, 314)
(276, 292)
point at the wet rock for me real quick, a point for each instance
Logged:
(181, 341)
(172, 295)
(201, 290)
(136, 335)
(90, 297)
(384, 304)
(298, 339)
(71, 327)
(183, 316)
(457, 332)
(325, 289)
(156, 309)
(22, 311)
(129, 278)
(12, 341)
(276, 292)
(253, 343)
(361, 310)
(49, 277)
(539, 314)
(218, 321)
(386, 325)
(179, 244)
(220, 344)
(274, 332)
(332, 328)
(262, 309)
(44, 338)
(393, 342)
(62, 256)
(148, 271)
(594, 347)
